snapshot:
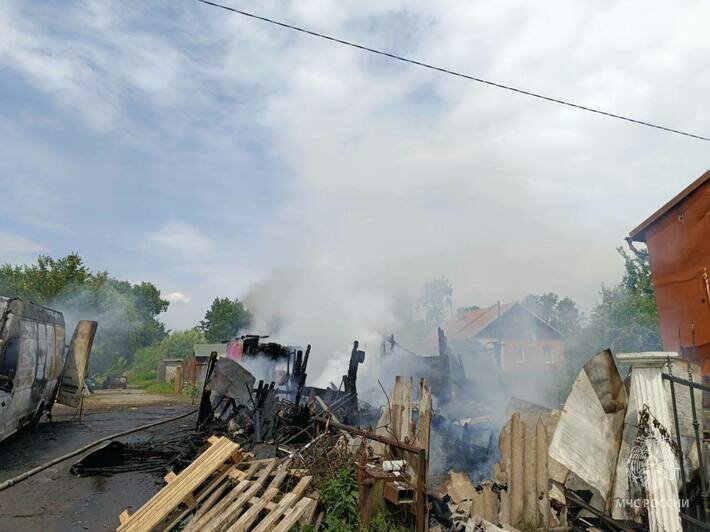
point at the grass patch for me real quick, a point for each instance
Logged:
(159, 387)
(150, 385)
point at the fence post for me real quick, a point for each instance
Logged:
(178, 379)
(647, 389)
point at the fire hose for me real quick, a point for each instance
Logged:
(27, 474)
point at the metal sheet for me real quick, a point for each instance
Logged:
(588, 434)
(76, 364)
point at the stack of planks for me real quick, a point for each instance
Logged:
(220, 491)
(254, 500)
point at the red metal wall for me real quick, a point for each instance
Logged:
(679, 248)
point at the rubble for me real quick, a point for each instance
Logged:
(553, 470)
(571, 468)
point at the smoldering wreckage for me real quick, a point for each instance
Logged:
(260, 450)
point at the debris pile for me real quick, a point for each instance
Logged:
(276, 448)
(228, 488)
(593, 465)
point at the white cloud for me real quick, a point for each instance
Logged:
(389, 174)
(177, 298)
(179, 238)
(15, 248)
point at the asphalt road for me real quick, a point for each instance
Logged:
(57, 500)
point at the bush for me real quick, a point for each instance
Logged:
(339, 495)
(177, 344)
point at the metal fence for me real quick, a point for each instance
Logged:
(695, 515)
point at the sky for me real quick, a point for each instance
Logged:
(215, 155)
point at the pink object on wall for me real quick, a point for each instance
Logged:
(234, 350)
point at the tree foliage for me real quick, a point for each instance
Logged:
(127, 313)
(626, 318)
(435, 300)
(224, 320)
(561, 313)
(178, 344)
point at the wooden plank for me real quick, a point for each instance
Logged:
(405, 431)
(123, 517)
(268, 522)
(213, 439)
(293, 516)
(216, 494)
(269, 505)
(166, 500)
(190, 501)
(200, 467)
(301, 486)
(397, 407)
(233, 510)
(310, 512)
(218, 483)
(246, 520)
(169, 477)
(243, 475)
(197, 524)
(424, 419)
(278, 479)
(288, 500)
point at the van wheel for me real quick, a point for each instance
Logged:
(36, 418)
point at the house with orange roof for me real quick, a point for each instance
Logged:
(509, 336)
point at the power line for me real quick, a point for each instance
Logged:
(451, 72)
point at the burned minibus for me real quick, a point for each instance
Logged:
(36, 367)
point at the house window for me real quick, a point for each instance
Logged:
(520, 352)
(548, 355)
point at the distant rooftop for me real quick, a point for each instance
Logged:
(471, 323)
(205, 350)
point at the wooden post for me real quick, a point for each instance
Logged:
(421, 500)
(516, 480)
(178, 379)
(542, 475)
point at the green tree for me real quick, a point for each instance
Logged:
(435, 300)
(625, 318)
(45, 281)
(178, 344)
(224, 320)
(562, 314)
(127, 313)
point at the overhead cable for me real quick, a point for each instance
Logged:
(452, 72)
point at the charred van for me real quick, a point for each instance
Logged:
(36, 368)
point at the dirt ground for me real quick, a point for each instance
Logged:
(55, 499)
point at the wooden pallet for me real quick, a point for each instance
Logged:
(197, 482)
(256, 499)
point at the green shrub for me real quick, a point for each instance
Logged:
(339, 495)
(384, 521)
(177, 344)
